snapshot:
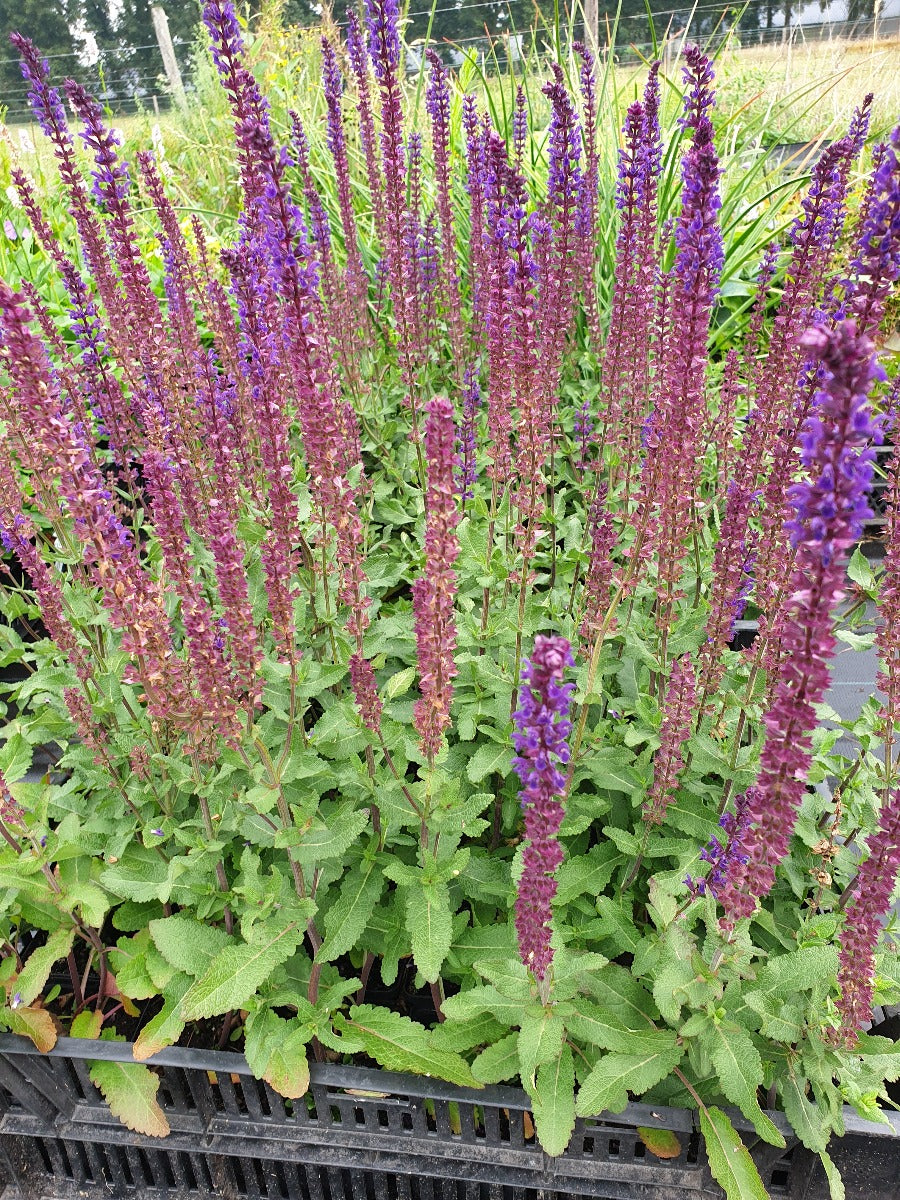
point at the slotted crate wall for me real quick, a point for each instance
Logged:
(358, 1135)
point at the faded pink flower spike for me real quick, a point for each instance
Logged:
(434, 592)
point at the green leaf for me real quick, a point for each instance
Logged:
(87, 1024)
(498, 1062)
(345, 921)
(740, 1072)
(166, 1027)
(540, 1039)
(34, 975)
(130, 1091)
(615, 1075)
(140, 875)
(34, 1023)
(663, 1143)
(478, 1031)
(799, 971)
(275, 1050)
(603, 1027)
(15, 757)
(490, 757)
(399, 1044)
(802, 1113)
(589, 873)
(186, 944)
(729, 1159)
(615, 988)
(481, 999)
(237, 972)
(833, 1175)
(553, 1102)
(429, 921)
(332, 840)
(859, 570)
(509, 976)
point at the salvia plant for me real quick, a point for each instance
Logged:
(374, 586)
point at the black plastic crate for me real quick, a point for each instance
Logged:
(360, 1134)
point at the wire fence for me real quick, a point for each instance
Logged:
(128, 92)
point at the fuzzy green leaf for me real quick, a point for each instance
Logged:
(729, 1160)
(237, 972)
(498, 1062)
(482, 999)
(477, 1031)
(429, 922)
(803, 1114)
(553, 1102)
(740, 1072)
(833, 1175)
(34, 975)
(332, 840)
(540, 1040)
(166, 1027)
(490, 757)
(605, 1028)
(399, 1044)
(799, 971)
(345, 921)
(186, 944)
(615, 1075)
(275, 1050)
(130, 1091)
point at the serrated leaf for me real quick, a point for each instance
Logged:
(478, 1031)
(237, 972)
(540, 1039)
(799, 971)
(481, 999)
(130, 1091)
(498, 1062)
(553, 1103)
(34, 1023)
(139, 876)
(615, 988)
(345, 921)
(605, 1028)
(606, 1088)
(166, 1027)
(740, 1072)
(186, 944)
(429, 922)
(833, 1175)
(490, 757)
(663, 1143)
(509, 977)
(275, 1050)
(729, 1160)
(802, 1113)
(33, 977)
(332, 840)
(587, 873)
(399, 1044)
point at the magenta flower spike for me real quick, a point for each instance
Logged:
(677, 721)
(541, 727)
(830, 509)
(872, 890)
(434, 592)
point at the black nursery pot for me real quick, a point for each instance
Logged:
(359, 1134)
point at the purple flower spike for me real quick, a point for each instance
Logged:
(542, 726)
(830, 507)
(724, 859)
